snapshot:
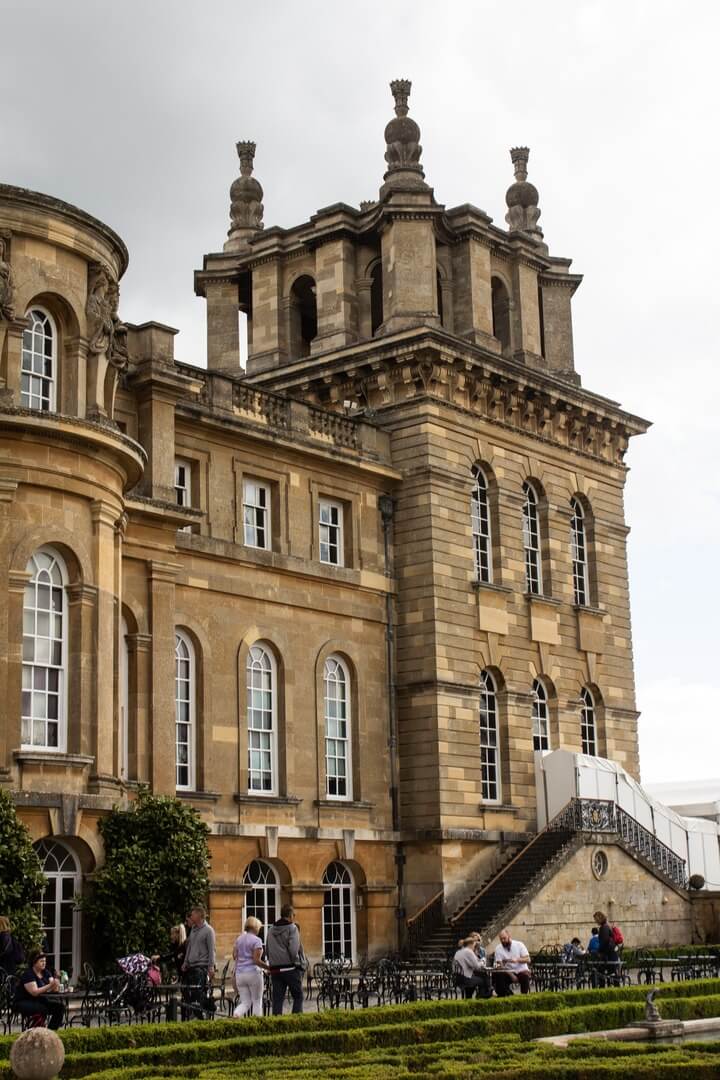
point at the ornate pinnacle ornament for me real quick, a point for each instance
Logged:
(522, 197)
(246, 208)
(402, 136)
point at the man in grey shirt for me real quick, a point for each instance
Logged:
(199, 965)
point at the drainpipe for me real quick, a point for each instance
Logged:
(386, 505)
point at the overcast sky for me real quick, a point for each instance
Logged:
(131, 110)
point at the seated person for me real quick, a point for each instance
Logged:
(573, 951)
(32, 994)
(511, 966)
(473, 978)
(594, 943)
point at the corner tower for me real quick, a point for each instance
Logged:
(508, 555)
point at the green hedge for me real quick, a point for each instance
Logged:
(529, 1024)
(90, 1040)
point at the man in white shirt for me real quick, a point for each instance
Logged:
(511, 966)
(471, 974)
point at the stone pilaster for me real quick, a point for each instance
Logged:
(223, 335)
(161, 588)
(104, 517)
(336, 303)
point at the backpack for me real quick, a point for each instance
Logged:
(617, 935)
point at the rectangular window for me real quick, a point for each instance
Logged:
(256, 515)
(183, 482)
(331, 532)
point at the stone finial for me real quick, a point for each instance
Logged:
(7, 282)
(38, 1054)
(522, 197)
(246, 208)
(402, 138)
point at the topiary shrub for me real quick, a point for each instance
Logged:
(157, 862)
(21, 877)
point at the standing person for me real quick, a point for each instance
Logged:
(473, 978)
(511, 965)
(286, 960)
(249, 967)
(176, 953)
(594, 943)
(199, 964)
(12, 954)
(32, 994)
(607, 949)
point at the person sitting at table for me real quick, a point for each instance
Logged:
(573, 951)
(32, 994)
(478, 946)
(472, 976)
(511, 966)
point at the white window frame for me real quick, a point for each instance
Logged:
(32, 669)
(481, 527)
(347, 885)
(269, 886)
(489, 740)
(271, 740)
(257, 514)
(29, 353)
(331, 531)
(66, 867)
(124, 703)
(540, 716)
(578, 545)
(588, 723)
(532, 541)
(341, 744)
(183, 491)
(191, 700)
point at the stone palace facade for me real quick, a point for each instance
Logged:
(337, 600)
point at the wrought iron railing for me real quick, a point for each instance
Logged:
(604, 815)
(420, 925)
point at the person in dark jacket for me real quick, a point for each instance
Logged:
(286, 960)
(176, 954)
(607, 949)
(34, 990)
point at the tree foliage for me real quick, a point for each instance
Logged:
(21, 877)
(156, 867)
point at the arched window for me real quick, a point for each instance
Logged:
(376, 297)
(531, 540)
(38, 376)
(124, 703)
(501, 312)
(185, 697)
(338, 912)
(578, 545)
(44, 673)
(588, 727)
(262, 899)
(480, 515)
(303, 327)
(57, 907)
(489, 741)
(338, 765)
(540, 716)
(262, 722)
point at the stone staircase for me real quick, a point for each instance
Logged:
(511, 887)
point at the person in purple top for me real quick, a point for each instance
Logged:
(249, 967)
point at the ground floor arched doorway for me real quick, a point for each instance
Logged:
(57, 906)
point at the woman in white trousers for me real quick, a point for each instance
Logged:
(249, 967)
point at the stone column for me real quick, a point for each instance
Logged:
(520, 767)
(525, 313)
(473, 292)
(10, 733)
(161, 587)
(83, 658)
(557, 323)
(269, 342)
(11, 334)
(140, 730)
(104, 517)
(336, 301)
(409, 274)
(363, 287)
(223, 334)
